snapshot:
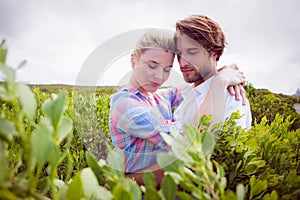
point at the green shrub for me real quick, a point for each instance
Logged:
(267, 104)
(57, 146)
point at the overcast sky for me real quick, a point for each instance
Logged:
(57, 37)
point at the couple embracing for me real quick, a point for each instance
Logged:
(140, 110)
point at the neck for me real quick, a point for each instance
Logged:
(205, 78)
(134, 83)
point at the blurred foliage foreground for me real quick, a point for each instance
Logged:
(57, 146)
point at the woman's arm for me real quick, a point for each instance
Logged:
(237, 90)
(133, 118)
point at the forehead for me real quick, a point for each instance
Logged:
(183, 42)
(157, 55)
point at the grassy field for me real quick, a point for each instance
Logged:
(56, 88)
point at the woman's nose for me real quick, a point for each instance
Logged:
(158, 74)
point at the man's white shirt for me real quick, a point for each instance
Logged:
(194, 97)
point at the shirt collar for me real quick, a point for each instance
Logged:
(204, 87)
(131, 89)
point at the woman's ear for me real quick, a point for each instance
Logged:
(132, 60)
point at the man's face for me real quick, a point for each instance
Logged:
(195, 62)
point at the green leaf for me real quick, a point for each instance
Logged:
(115, 160)
(151, 194)
(5, 171)
(185, 196)
(3, 52)
(169, 162)
(258, 163)
(27, 100)
(7, 129)
(252, 181)
(133, 188)
(169, 188)
(149, 180)
(4, 95)
(208, 143)
(7, 194)
(42, 142)
(230, 195)
(54, 109)
(259, 187)
(175, 176)
(103, 194)
(75, 190)
(240, 192)
(179, 144)
(91, 161)
(64, 128)
(120, 192)
(22, 64)
(274, 195)
(91, 188)
(9, 73)
(55, 155)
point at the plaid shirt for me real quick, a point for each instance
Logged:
(136, 120)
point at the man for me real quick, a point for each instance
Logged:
(200, 43)
(197, 61)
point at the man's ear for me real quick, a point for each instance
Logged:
(214, 57)
(132, 60)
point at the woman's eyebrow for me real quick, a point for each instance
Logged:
(153, 61)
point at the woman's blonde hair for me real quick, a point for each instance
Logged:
(155, 38)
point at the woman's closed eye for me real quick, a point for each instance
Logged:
(167, 69)
(152, 66)
(192, 52)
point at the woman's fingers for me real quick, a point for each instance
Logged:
(243, 94)
(237, 92)
(231, 90)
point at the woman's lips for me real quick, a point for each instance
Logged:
(154, 84)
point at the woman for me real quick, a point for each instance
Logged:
(139, 111)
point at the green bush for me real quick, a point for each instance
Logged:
(50, 145)
(267, 104)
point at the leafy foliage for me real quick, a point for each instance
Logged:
(267, 104)
(57, 146)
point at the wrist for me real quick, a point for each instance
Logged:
(222, 79)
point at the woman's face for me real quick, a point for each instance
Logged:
(152, 69)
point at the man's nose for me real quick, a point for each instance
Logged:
(182, 62)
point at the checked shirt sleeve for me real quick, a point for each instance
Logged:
(132, 117)
(173, 95)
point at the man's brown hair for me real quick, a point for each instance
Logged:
(205, 31)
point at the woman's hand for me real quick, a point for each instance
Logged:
(239, 92)
(234, 80)
(231, 75)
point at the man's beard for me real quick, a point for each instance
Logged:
(197, 77)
